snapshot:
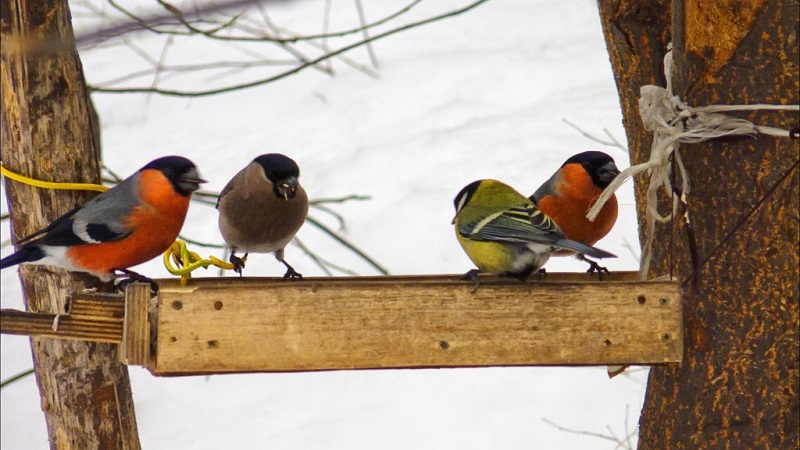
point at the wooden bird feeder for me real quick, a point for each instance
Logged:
(227, 325)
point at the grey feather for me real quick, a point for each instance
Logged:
(109, 209)
(583, 248)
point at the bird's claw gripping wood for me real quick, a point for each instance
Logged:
(133, 277)
(238, 263)
(594, 267)
(291, 274)
(472, 275)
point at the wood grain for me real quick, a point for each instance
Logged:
(242, 325)
(97, 306)
(65, 327)
(135, 343)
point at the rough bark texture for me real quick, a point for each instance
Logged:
(738, 385)
(636, 33)
(46, 134)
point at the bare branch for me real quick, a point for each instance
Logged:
(295, 70)
(581, 432)
(156, 23)
(613, 142)
(16, 377)
(339, 238)
(323, 264)
(365, 32)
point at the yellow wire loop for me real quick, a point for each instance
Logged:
(51, 184)
(187, 261)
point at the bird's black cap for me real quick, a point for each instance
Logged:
(278, 167)
(180, 171)
(598, 165)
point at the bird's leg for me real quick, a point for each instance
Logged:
(593, 267)
(133, 277)
(541, 273)
(238, 263)
(526, 278)
(472, 275)
(290, 274)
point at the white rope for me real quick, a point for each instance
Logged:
(673, 123)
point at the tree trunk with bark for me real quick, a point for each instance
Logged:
(738, 385)
(47, 135)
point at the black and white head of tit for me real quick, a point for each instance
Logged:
(262, 208)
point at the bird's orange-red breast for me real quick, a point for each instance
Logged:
(569, 194)
(127, 225)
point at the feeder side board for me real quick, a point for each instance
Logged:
(330, 324)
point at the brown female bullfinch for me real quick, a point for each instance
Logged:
(261, 209)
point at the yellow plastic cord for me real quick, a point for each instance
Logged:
(188, 261)
(51, 184)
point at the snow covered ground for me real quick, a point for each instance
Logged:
(480, 95)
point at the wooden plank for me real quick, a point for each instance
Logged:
(244, 324)
(135, 345)
(66, 327)
(97, 306)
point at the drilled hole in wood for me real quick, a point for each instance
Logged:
(666, 336)
(641, 299)
(213, 344)
(663, 301)
(177, 304)
(173, 339)
(218, 305)
(444, 345)
(607, 342)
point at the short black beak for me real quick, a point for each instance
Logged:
(287, 188)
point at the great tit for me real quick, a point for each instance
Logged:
(505, 234)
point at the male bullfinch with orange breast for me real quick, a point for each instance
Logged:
(567, 196)
(131, 223)
(261, 209)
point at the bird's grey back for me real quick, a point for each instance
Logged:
(111, 207)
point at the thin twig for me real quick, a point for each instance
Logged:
(339, 218)
(580, 432)
(612, 143)
(362, 20)
(16, 377)
(627, 244)
(151, 24)
(326, 21)
(339, 238)
(115, 178)
(346, 198)
(314, 257)
(322, 262)
(295, 70)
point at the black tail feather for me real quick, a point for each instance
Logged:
(24, 255)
